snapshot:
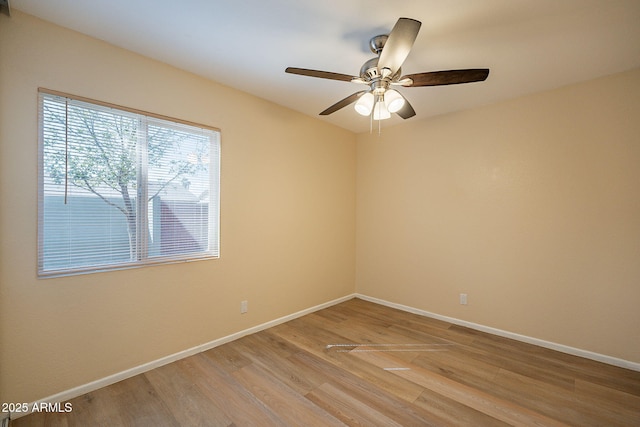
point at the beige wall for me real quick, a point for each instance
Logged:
(531, 207)
(287, 212)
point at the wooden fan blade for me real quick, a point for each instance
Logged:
(343, 103)
(449, 77)
(406, 111)
(319, 74)
(398, 45)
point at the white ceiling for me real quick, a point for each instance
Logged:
(529, 45)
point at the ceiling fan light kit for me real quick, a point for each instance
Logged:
(380, 111)
(393, 100)
(364, 105)
(383, 72)
(384, 104)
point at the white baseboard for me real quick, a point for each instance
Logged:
(112, 379)
(499, 332)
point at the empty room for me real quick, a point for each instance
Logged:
(336, 213)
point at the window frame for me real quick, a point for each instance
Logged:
(143, 259)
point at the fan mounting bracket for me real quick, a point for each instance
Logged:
(377, 43)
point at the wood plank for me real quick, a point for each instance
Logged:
(395, 407)
(133, 401)
(459, 367)
(316, 345)
(287, 370)
(428, 331)
(605, 406)
(227, 357)
(509, 355)
(481, 401)
(186, 401)
(291, 407)
(225, 392)
(453, 413)
(346, 408)
(539, 396)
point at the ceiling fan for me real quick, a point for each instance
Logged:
(383, 72)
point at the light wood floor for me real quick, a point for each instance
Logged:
(361, 364)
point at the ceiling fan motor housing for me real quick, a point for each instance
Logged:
(369, 70)
(372, 75)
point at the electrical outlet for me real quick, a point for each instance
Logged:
(244, 306)
(463, 299)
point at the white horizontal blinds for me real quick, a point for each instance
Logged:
(88, 173)
(179, 189)
(118, 188)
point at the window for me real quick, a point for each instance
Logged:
(119, 188)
